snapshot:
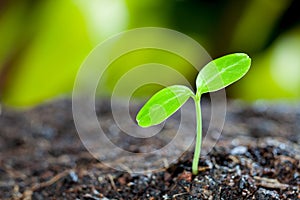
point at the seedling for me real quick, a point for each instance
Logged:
(214, 76)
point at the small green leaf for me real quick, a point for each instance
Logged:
(222, 72)
(163, 104)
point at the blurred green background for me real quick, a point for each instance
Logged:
(43, 43)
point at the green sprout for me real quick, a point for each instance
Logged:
(214, 76)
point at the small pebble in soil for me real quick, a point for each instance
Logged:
(73, 176)
(239, 150)
(265, 194)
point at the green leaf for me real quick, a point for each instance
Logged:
(163, 104)
(222, 72)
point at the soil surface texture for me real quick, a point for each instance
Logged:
(257, 156)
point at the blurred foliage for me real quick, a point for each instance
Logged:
(49, 62)
(43, 43)
(276, 72)
(139, 58)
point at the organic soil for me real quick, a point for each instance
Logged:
(256, 157)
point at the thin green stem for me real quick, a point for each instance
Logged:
(198, 136)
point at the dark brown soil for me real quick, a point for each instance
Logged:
(257, 157)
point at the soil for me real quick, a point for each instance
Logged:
(256, 157)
